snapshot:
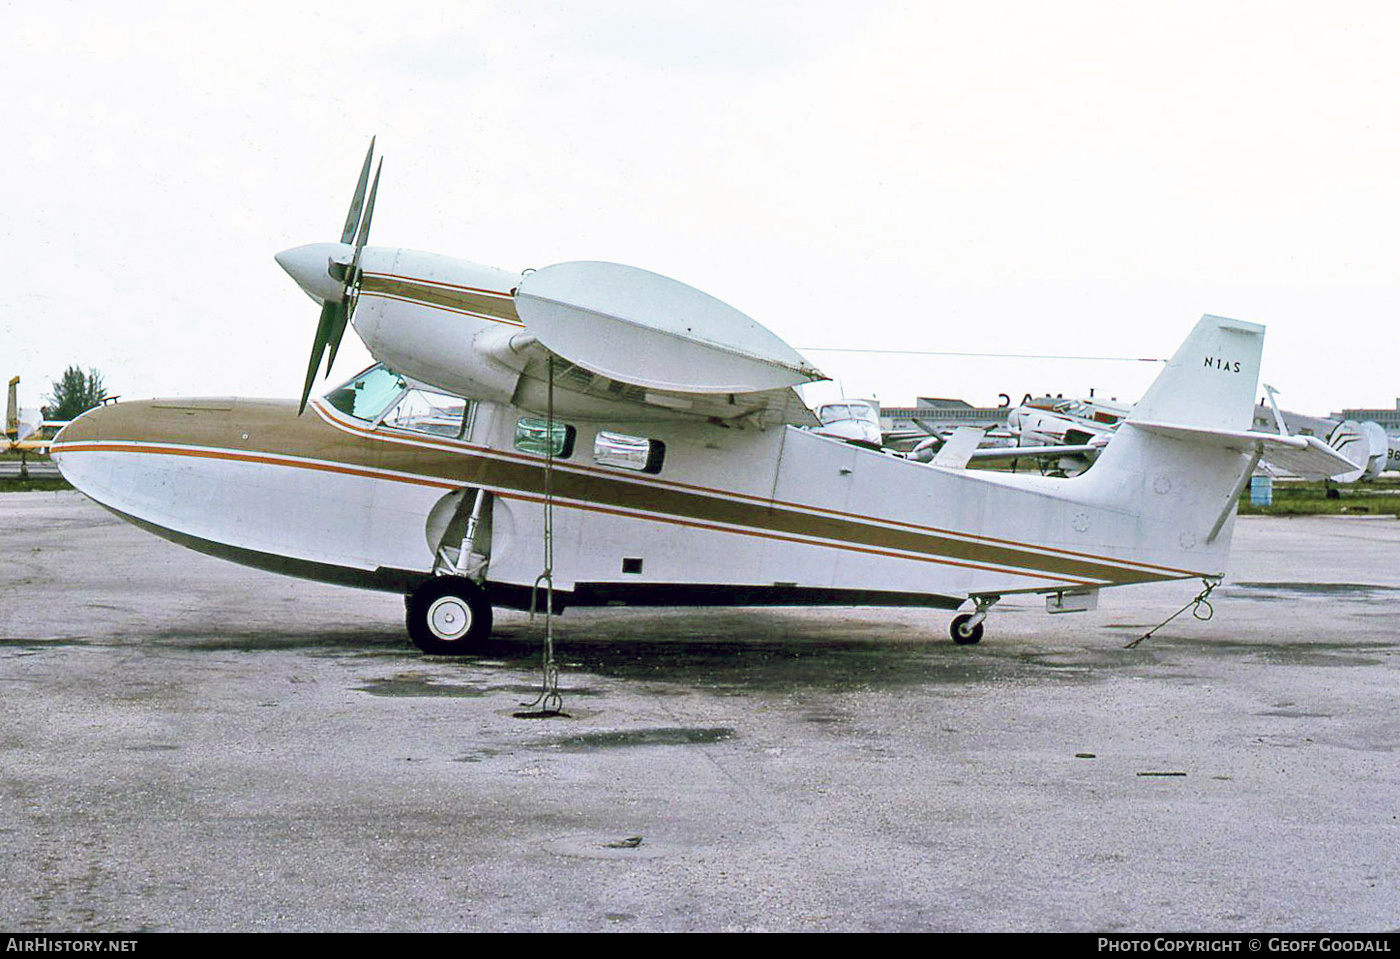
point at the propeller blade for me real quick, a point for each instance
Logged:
(339, 319)
(317, 350)
(335, 310)
(364, 226)
(352, 219)
(352, 277)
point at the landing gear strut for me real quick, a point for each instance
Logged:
(966, 628)
(448, 616)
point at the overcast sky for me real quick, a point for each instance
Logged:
(1081, 178)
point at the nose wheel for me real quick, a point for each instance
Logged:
(448, 616)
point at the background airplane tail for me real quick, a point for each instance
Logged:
(12, 411)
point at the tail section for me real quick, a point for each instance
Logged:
(12, 412)
(1210, 382)
(1182, 457)
(1205, 396)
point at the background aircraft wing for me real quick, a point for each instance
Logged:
(993, 453)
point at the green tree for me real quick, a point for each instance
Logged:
(75, 394)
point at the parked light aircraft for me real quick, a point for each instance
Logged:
(1367, 445)
(1075, 430)
(1054, 421)
(22, 435)
(632, 440)
(855, 421)
(1069, 432)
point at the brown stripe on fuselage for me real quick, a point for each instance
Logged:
(274, 432)
(524, 473)
(462, 299)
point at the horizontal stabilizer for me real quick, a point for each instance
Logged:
(650, 331)
(1305, 456)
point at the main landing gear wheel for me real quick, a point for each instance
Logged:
(964, 634)
(448, 616)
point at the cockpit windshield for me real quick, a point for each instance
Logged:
(840, 412)
(381, 396)
(366, 395)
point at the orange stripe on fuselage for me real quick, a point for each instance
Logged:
(846, 535)
(461, 448)
(686, 522)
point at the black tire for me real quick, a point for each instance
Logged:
(448, 616)
(962, 634)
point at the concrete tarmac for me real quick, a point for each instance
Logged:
(39, 469)
(190, 745)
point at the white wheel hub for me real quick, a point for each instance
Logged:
(449, 618)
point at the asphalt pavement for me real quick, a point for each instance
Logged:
(190, 745)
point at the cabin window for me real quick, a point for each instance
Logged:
(426, 411)
(368, 394)
(629, 452)
(533, 435)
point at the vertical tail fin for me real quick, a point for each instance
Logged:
(1210, 382)
(12, 411)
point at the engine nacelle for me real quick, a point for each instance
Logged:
(453, 325)
(445, 322)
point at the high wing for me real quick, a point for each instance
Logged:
(622, 333)
(967, 453)
(639, 327)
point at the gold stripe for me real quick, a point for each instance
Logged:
(796, 537)
(461, 299)
(394, 457)
(816, 514)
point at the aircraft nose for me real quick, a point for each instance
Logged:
(88, 427)
(134, 456)
(310, 266)
(71, 448)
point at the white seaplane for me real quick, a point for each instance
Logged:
(624, 439)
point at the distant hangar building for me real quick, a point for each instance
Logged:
(1388, 419)
(932, 414)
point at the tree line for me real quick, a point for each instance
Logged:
(74, 395)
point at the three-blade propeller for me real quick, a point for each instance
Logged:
(338, 302)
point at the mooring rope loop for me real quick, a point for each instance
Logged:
(1200, 608)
